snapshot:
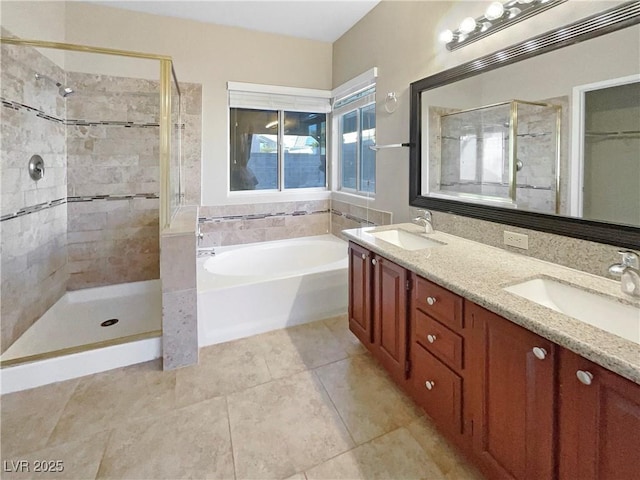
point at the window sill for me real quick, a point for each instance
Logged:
(273, 196)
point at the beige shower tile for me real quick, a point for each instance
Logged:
(448, 460)
(221, 369)
(366, 398)
(106, 399)
(339, 326)
(284, 427)
(191, 442)
(179, 328)
(395, 455)
(177, 262)
(299, 348)
(74, 460)
(29, 416)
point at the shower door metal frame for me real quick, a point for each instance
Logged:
(511, 200)
(165, 73)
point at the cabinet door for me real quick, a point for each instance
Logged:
(599, 422)
(360, 320)
(390, 316)
(513, 397)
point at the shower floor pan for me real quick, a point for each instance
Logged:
(69, 340)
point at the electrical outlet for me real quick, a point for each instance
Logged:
(517, 240)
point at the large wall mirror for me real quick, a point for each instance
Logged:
(544, 134)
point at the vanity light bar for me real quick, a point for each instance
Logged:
(498, 15)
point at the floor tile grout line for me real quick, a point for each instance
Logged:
(104, 453)
(233, 455)
(62, 410)
(356, 446)
(324, 388)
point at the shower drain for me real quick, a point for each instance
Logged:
(108, 323)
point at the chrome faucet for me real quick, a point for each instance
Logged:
(199, 235)
(629, 272)
(424, 218)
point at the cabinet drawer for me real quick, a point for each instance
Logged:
(438, 339)
(437, 389)
(438, 302)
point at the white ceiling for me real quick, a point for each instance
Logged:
(314, 19)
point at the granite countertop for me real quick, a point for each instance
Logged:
(479, 273)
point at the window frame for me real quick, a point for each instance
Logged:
(337, 115)
(282, 100)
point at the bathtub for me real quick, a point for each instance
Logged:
(254, 288)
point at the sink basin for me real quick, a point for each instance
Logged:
(406, 240)
(600, 311)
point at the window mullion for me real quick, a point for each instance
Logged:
(358, 150)
(280, 150)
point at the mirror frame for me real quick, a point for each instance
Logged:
(617, 18)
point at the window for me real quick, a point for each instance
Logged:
(277, 148)
(355, 118)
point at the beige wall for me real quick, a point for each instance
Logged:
(400, 38)
(210, 55)
(37, 21)
(202, 53)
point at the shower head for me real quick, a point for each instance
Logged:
(62, 90)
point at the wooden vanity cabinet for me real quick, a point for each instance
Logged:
(378, 308)
(437, 355)
(360, 320)
(599, 422)
(511, 402)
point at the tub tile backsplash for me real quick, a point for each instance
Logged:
(347, 215)
(224, 225)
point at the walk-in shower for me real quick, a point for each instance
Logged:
(80, 244)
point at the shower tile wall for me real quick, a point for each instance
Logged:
(191, 97)
(248, 223)
(113, 150)
(34, 255)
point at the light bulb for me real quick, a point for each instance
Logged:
(494, 11)
(467, 25)
(525, 1)
(446, 36)
(484, 26)
(514, 12)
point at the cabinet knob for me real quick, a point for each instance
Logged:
(431, 300)
(429, 384)
(374, 261)
(364, 256)
(431, 338)
(540, 353)
(584, 376)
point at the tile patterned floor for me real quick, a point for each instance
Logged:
(304, 403)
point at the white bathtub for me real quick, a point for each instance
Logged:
(248, 289)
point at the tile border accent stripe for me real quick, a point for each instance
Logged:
(258, 216)
(76, 122)
(349, 216)
(61, 201)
